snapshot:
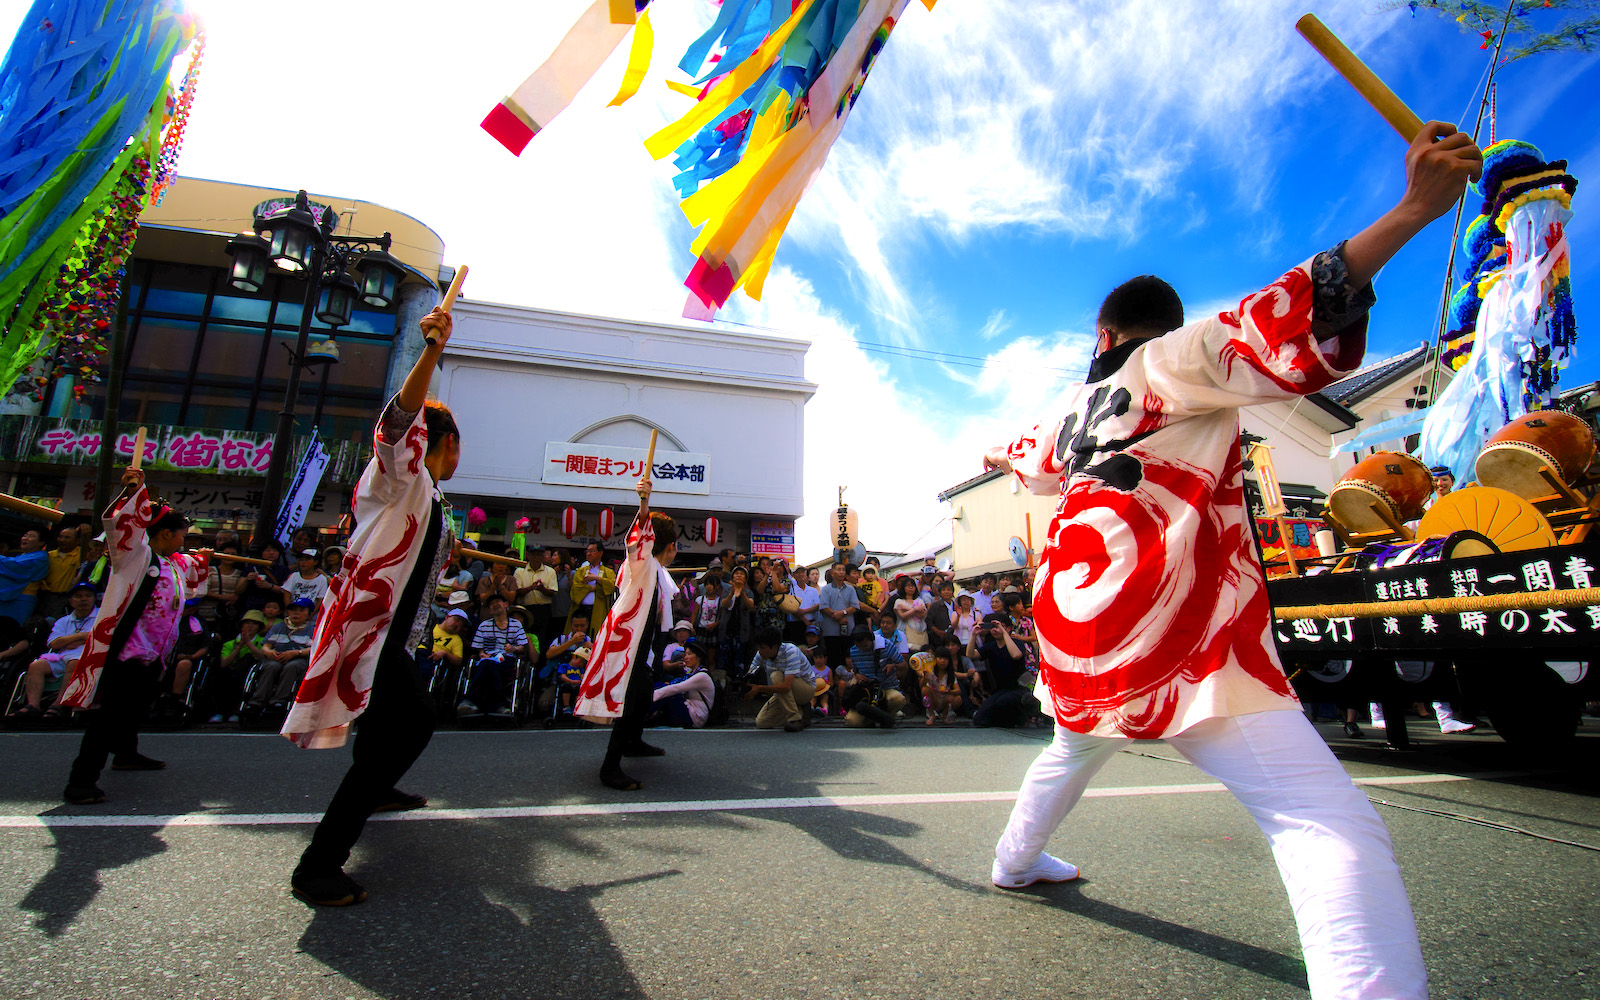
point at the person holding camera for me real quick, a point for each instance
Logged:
(872, 692)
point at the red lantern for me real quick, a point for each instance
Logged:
(569, 521)
(711, 531)
(606, 523)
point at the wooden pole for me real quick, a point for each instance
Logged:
(1356, 73)
(248, 560)
(454, 290)
(650, 456)
(138, 449)
(490, 557)
(1445, 605)
(17, 505)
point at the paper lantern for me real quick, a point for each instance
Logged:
(606, 523)
(711, 531)
(845, 528)
(569, 521)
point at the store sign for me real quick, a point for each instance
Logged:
(568, 464)
(169, 449)
(208, 500)
(772, 538)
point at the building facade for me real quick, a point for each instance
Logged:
(556, 410)
(205, 365)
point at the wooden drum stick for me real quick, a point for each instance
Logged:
(1366, 82)
(138, 449)
(650, 456)
(248, 560)
(17, 505)
(450, 294)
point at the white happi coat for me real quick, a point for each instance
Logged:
(392, 505)
(1149, 600)
(128, 548)
(605, 679)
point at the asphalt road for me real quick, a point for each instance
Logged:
(829, 863)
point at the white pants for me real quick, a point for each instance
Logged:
(1357, 932)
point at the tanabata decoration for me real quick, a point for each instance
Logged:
(519, 537)
(86, 114)
(476, 518)
(1526, 28)
(769, 106)
(1524, 327)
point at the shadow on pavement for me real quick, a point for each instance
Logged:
(472, 921)
(1069, 898)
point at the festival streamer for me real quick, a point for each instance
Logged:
(1517, 300)
(83, 105)
(773, 82)
(1532, 27)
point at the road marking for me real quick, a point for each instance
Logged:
(638, 808)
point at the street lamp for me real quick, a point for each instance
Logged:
(294, 240)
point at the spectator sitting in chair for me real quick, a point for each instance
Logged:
(284, 659)
(61, 654)
(497, 647)
(448, 649)
(195, 641)
(225, 685)
(788, 675)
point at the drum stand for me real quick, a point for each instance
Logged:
(1355, 541)
(1565, 507)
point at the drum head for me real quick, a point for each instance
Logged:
(1352, 504)
(1514, 466)
(1509, 522)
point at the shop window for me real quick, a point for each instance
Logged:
(148, 402)
(230, 354)
(162, 346)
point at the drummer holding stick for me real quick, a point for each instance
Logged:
(1153, 619)
(373, 617)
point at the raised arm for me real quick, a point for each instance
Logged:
(436, 326)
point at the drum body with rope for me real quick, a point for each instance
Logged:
(1441, 548)
(1512, 457)
(1392, 479)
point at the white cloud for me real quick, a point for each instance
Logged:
(995, 325)
(1054, 117)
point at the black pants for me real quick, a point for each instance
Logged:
(390, 735)
(628, 730)
(125, 692)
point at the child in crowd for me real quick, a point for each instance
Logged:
(822, 679)
(941, 693)
(447, 648)
(224, 688)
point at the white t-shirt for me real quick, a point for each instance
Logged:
(983, 603)
(298, 586)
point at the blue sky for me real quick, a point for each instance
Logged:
(1006, 165)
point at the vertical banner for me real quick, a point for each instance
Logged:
(303, 491)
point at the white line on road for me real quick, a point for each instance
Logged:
(634, 808)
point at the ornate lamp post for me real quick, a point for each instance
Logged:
(295, 241)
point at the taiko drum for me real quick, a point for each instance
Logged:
(1391, 479)
(1511, 459)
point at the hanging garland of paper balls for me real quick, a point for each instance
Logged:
(79, 308)
(178, 106)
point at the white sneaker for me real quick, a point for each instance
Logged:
(465, 709)
(217, 717)
(1449, 726)
(1047, 869)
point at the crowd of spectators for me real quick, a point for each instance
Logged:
(753, 636)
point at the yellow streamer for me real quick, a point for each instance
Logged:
(622, 12)
(684, 88)
(644, 39)
(735, 83)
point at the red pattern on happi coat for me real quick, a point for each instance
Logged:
(1157, 605)
(605, 678)
(362, 601)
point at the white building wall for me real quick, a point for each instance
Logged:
(518, 378)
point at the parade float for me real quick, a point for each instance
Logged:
(1498, 580)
